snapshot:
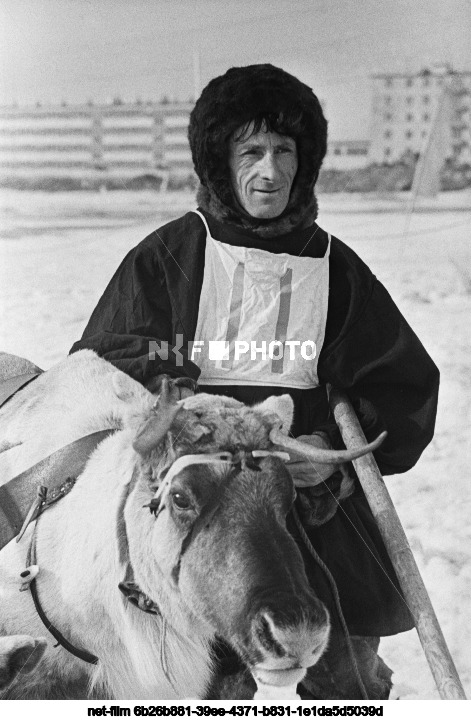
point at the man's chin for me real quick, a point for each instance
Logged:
(266, 210)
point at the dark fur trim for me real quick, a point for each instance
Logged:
(287, 106)
(299, 218)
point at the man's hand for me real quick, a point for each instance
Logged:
(304, 471)
(321, 486)
(179, 387)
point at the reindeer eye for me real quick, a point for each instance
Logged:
(181, 502)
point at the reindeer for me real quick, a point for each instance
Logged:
(172, 536)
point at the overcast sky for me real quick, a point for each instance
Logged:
(73, 50)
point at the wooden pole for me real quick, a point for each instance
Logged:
(412, 586)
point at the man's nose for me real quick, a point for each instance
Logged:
(268, 168)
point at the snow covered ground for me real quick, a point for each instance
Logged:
(57, 252)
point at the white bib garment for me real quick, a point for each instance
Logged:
(261, 317)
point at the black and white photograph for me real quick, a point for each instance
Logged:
(235, 358)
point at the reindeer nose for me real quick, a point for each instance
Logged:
(291, 636)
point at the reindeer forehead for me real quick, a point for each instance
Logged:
(272, 481)
(228, 423)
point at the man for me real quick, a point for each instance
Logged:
(251, 266)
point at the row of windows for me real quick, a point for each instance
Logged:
(406, 151)
(457, 148)
(407, 134)
(43, 148)
(66, 148)
(138, 136)
(425, 99)
(409, 82)
(96, 129)
(409, 117)
(78, 164)
(77, 124)
(351, 151)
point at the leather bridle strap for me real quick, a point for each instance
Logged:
(78, 652)
(18, 493)
(128, 586)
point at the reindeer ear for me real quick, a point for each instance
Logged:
(157, 426)
(124, 386)
(282, 406)
(154, 431)
(19, 654)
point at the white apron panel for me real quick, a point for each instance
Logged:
(253, 298)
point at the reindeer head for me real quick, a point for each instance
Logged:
(217, 537)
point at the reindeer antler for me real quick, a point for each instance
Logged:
(324, 455)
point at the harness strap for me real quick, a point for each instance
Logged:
(128, 587)
(17, 494)
(80, 653)
(10, 386)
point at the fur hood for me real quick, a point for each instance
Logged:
(287, 106)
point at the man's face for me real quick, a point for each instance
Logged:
(262, 168)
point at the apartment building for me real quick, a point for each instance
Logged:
(407, 108)
(117, 142)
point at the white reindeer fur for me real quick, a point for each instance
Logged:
(72, 399)
(77, 549)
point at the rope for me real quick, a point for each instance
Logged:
(338, 606)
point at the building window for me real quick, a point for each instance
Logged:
(388, 82)
(409, 100)
(337, 151)
(387, 99)
(409, 82)
(388, 116)
(426, 117)
(409, 117)
(426, 99)
(387, 152)
(387, 133)
(409, 133)
(426, 82)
